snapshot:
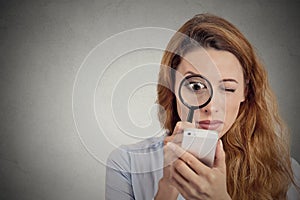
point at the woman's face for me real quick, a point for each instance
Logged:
(224, 72)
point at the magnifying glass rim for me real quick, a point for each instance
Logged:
(190, 106)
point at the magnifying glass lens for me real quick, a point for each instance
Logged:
(195, 91)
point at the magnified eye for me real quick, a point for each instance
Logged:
(196, 86)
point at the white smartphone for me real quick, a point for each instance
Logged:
(201, 143)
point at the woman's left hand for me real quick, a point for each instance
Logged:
(195, 180)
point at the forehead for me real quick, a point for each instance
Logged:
(211, 63)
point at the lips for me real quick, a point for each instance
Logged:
(210, 124)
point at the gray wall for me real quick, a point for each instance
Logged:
(51, 145)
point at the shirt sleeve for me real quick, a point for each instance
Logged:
(293, 194)
(118, 177)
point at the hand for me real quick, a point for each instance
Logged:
(165, 189)
(193, 179)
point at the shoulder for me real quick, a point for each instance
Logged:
(148, 145)
(123, 157)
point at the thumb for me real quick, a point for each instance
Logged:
(220, 157)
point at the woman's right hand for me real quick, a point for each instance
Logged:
(165, 188)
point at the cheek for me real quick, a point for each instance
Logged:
(231, 110)
(181, 110)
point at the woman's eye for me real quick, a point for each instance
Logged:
(196, 86)
(228, 89)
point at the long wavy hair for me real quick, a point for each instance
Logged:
(257, 145)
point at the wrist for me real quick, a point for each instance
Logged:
(166, 190)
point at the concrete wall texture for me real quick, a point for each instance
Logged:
(58, 125)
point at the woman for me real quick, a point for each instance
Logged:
(252, 158)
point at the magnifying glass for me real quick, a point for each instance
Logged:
(195, 92)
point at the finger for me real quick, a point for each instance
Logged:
(178, 186)
(178, 177)
(180, 183)
(183, 186)
(180, 126)
(220, 157)
(184, 170)
(177, 134)
(189, 159)
(167, 172)
(169, 156)
(177, 139)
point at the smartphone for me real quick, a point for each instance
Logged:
(201, 143)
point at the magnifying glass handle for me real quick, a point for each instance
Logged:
(190, 115)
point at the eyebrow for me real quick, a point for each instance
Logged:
(190, 72)
(229, 80)
(223, 80)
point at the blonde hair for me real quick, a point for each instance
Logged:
(257, 145)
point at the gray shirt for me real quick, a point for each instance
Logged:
(133, 171)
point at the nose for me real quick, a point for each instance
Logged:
(209, 109)
(215, 105)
